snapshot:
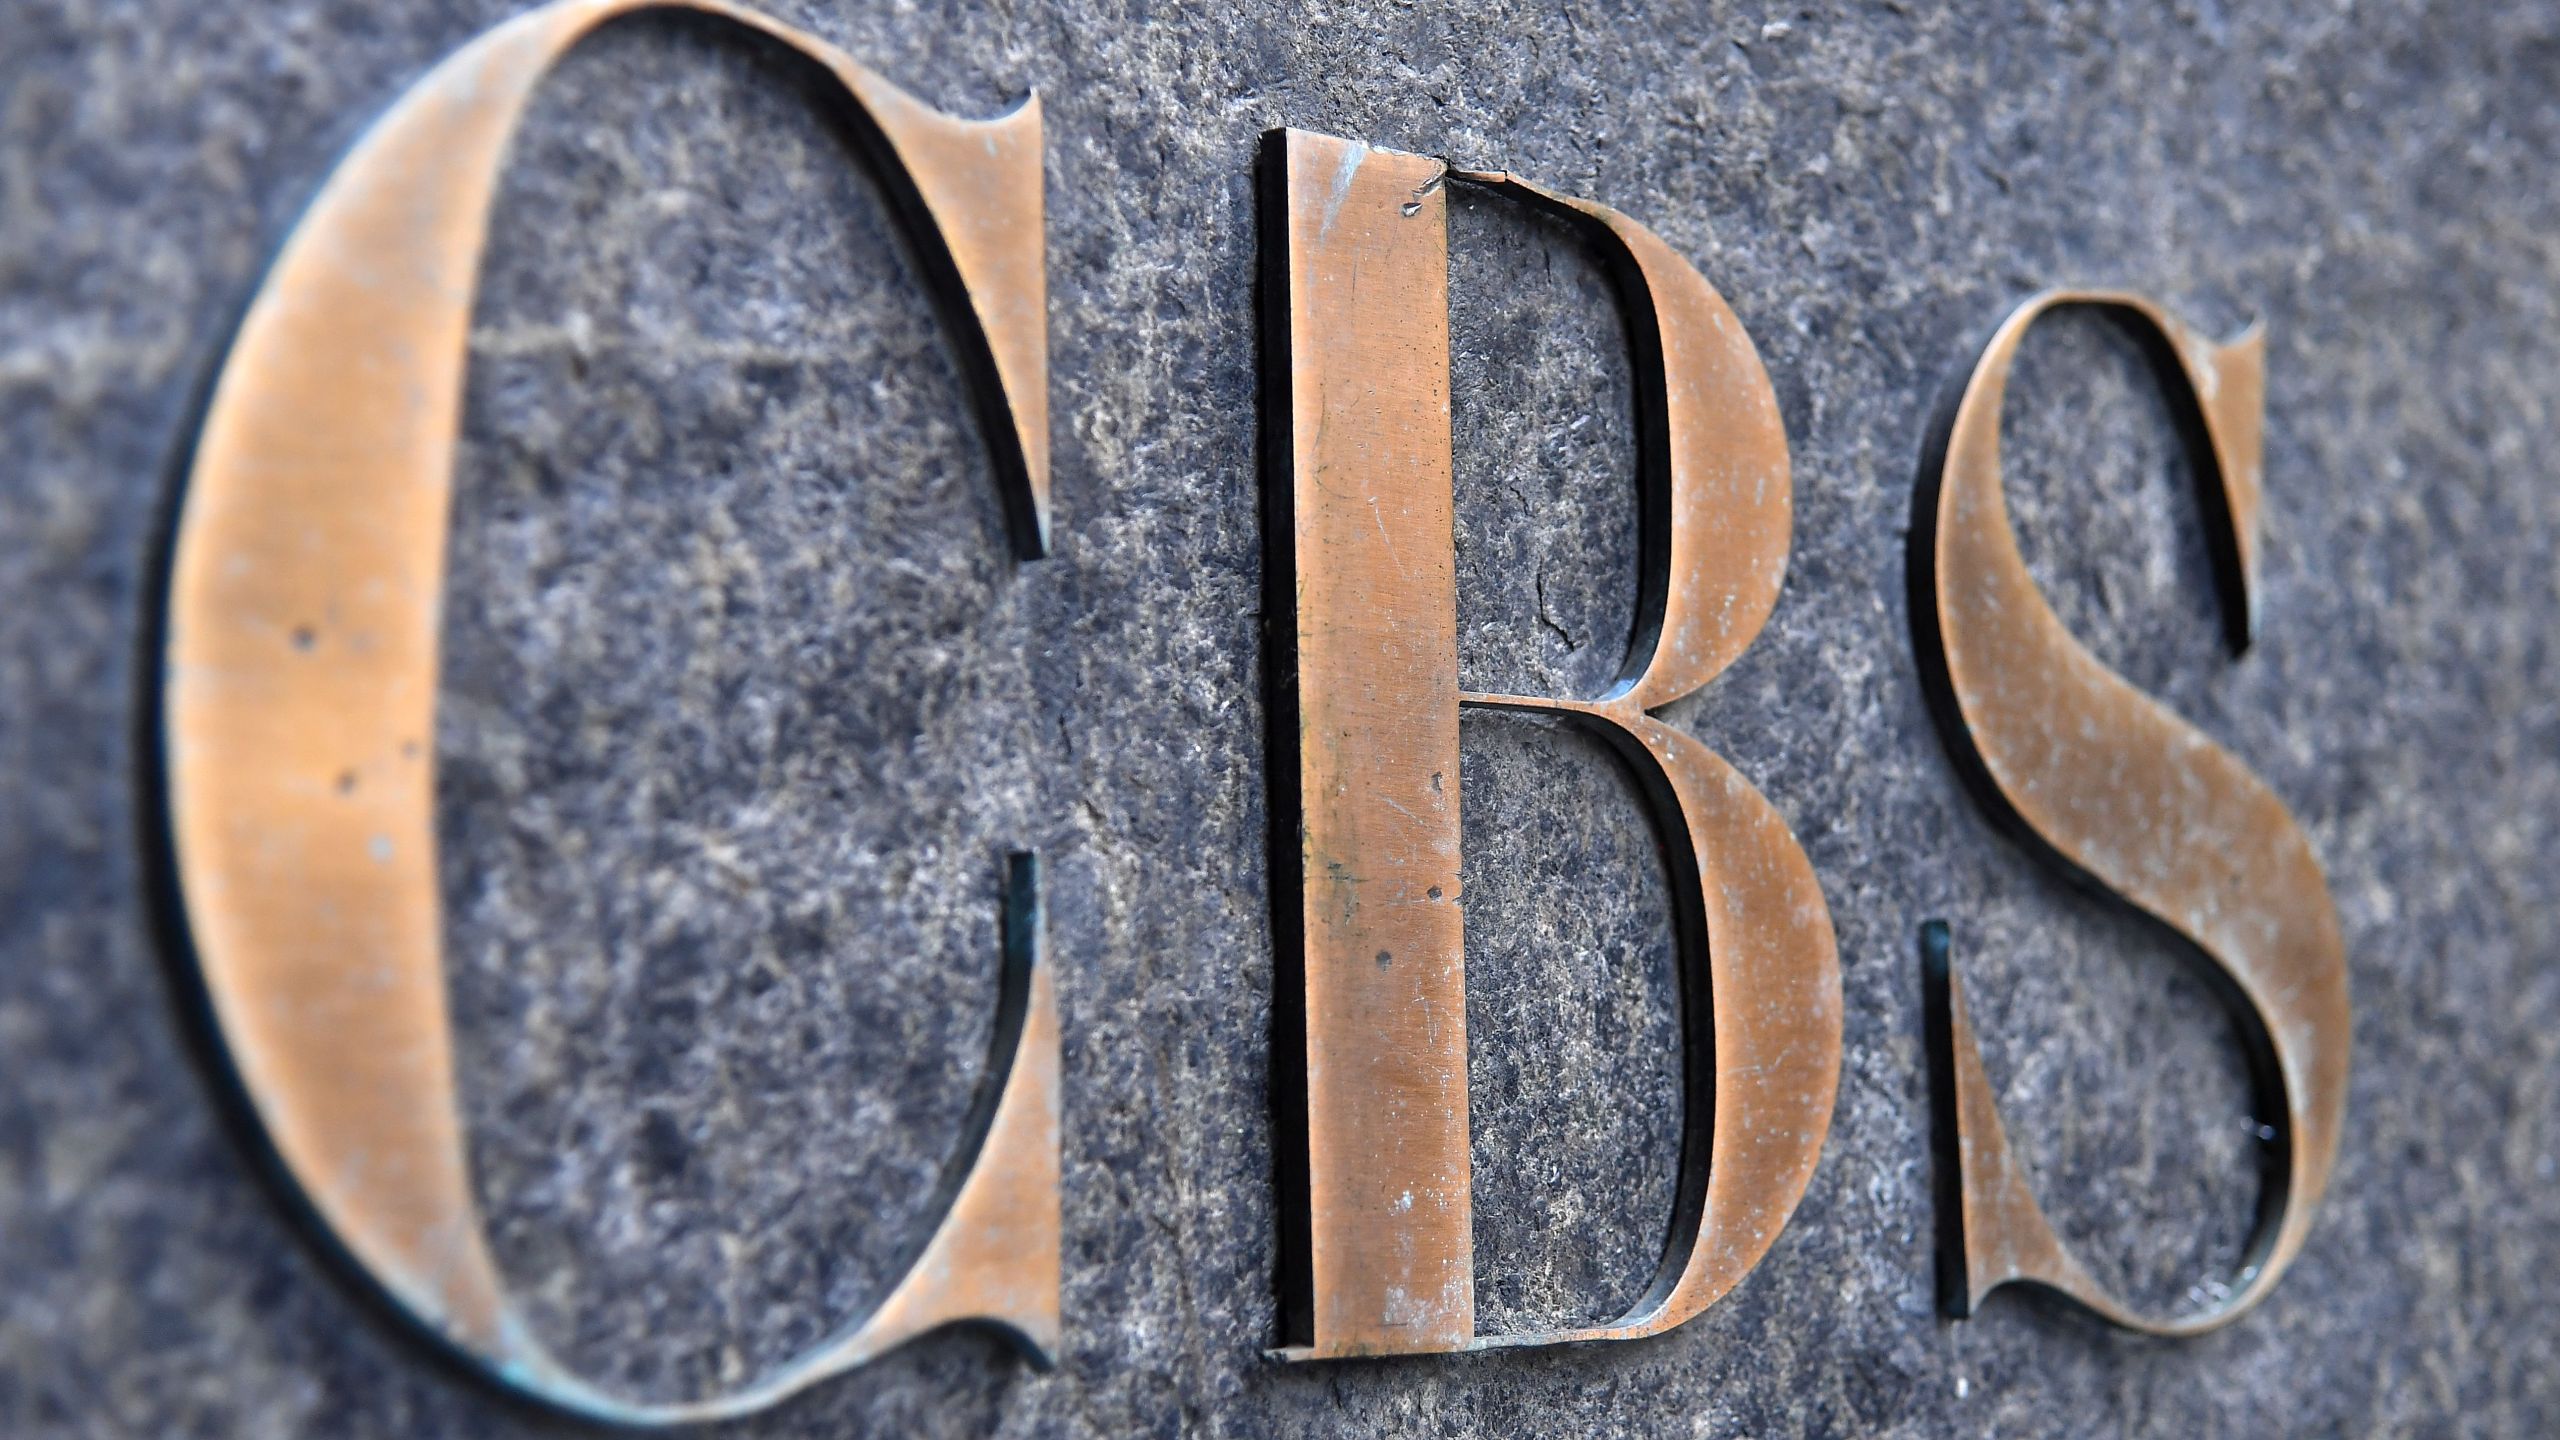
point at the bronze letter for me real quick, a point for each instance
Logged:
(1365, 621)
(2105, 783)
(302, 617)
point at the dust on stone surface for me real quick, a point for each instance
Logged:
(748, 695)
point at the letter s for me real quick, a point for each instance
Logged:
(2105, 783)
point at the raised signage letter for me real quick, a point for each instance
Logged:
(2103, 782)
(302, 648)
(1364, 617)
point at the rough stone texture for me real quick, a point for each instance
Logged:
(744, 703)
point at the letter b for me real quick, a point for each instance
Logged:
(1378, 1250)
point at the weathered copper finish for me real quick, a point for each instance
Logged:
(1363, 301)
(1386, 1005)
(300, 700)
(2108, 784)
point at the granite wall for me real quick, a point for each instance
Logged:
(743, 701)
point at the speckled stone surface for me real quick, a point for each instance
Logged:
(744, 702)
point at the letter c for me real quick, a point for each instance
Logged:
(301, 646)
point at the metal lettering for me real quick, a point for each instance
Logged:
(302, 619)
(2106, 784)
(1365, 761)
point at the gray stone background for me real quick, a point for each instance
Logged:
(743, 702)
